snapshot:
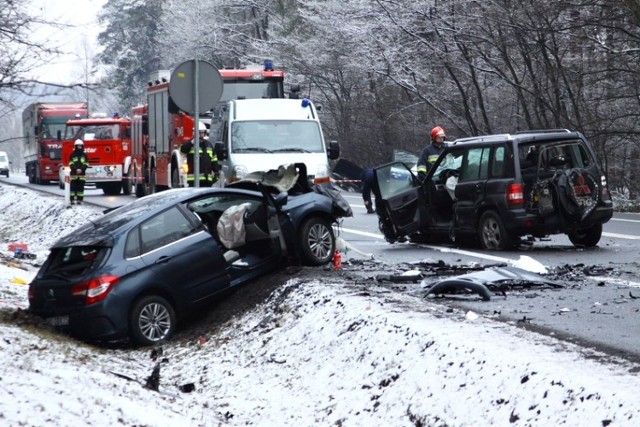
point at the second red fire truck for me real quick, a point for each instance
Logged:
(107, 144)
(159, 127)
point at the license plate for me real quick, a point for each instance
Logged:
(58, 321)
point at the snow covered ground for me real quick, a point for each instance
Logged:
(315, 354)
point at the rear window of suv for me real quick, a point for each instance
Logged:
(565, 155)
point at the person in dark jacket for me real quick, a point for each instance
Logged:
(367, 181)
(209, 168)
(78, 165)
(431, 152)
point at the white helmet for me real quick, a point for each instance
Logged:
(201, 127)
(78, 143)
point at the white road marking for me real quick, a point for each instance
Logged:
(616, 281)
(469, 253)
(435, 248)
(621, 236)
(624, 220)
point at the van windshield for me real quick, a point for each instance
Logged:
(270, 136)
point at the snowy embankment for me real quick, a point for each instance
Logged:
(316, 353)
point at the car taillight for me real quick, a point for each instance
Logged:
(515, 194)
(94, 290)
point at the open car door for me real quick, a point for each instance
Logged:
(400, 201)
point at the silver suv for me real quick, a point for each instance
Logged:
(500, 191)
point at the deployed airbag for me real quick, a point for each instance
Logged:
(230, 228)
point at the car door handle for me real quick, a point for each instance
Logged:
(162, 260)
(479, 186)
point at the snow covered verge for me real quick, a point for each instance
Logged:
(317, 352)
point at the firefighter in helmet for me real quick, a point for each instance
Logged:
(78, 165)
(431, 152)
(209, 168)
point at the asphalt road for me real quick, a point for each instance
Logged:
(596, 303)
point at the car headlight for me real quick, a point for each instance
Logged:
(322, 175)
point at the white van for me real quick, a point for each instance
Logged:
(5, 164)
(262, 134)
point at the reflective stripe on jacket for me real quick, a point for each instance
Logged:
(428, 157)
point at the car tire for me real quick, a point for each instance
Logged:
(152, 320)
(586, 238)
(385, 225)
(317, 241)
(492, 233)
(127, 184)
(152, 182)
(175, 177)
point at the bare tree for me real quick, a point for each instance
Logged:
(386, 71)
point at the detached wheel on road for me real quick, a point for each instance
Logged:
(492, 233)
(589, 237)
(152, 320)
(317, 241)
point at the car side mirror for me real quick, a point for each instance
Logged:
(294, 91)
(59, 135)
(221, 151)
(281, 199)
(334, 150)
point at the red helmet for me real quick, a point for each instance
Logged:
(437, 131)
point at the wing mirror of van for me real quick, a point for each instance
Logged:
(334, 150)
(294, 92)
(59, 135)
(221, 151)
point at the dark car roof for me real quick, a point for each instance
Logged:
(101, 231)
(521, 137)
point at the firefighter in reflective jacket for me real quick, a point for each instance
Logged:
(209, 168)
(78, 165)
(431, 152)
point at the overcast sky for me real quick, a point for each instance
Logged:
(80, 29)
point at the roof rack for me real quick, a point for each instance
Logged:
(542, 131)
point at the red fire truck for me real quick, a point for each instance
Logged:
(43, 127)
(107, 144)
(159, 127)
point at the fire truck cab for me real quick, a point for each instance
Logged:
(159, 127)
(107, 144)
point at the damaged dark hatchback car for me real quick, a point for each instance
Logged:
(139, 269)
(500, 191)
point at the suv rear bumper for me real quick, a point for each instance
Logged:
(520, 222)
